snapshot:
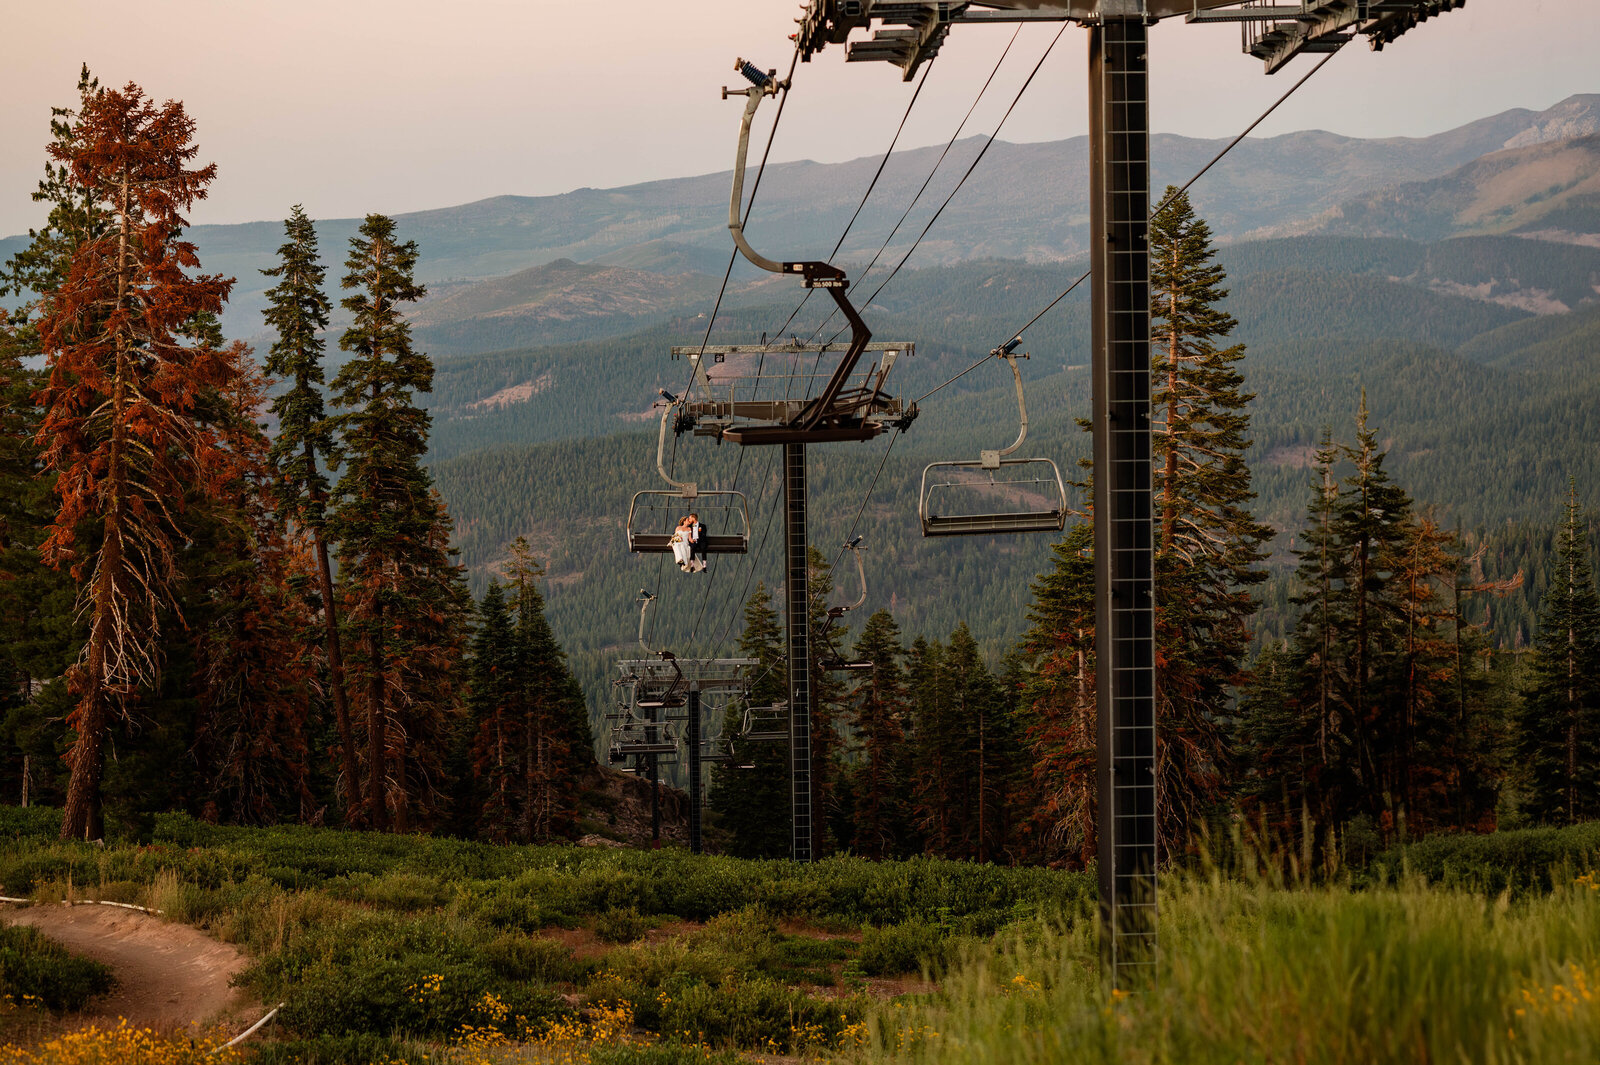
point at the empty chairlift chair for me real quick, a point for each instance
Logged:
(995, 494)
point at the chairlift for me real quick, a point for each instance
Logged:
(635, 737)
(653, 514)
(995, 494)
(765, 724)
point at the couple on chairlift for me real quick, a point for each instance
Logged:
(689, 544)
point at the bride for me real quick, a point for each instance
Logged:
(680, 544)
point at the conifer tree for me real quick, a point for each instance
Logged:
(935, 756)
(118, 426)
(827, 693)
(1294, 721)
(244, 593)
(36, 601)
(1366, 714)
(298, 312)
(878, 783)
(1559, 734)
(966, 748)
(1209, 547)
(1370, 527)
(492, 698)
(556, 741)
(404, 597)
(1428, 745)
(752, 804)
(1057, 712)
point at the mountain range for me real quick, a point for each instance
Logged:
(1453, 280)
(1026, 201)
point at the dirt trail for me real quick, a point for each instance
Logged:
(169, 976)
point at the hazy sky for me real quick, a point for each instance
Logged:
(351, 106)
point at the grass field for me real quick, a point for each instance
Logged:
(410, 949)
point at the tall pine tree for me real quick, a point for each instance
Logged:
(297, 311)
(245, 594)
(1559, 734)
(556, 745)
(403, 595)
(118, 427)
(1057, 711)
(751, 801)
(493, 697)
(1209, 547)
(879, 776)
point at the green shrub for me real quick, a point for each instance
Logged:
(503, 907)
(755, 1014)
(414, 995)
(904, 948)
(31, 822)
(403, 891)
(520, 957)
(663, 1054)
(620, 926)
(1524, 861)
(361, 1049)
(35, 968)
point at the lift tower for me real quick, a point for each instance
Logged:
(1275, 31)
(847, 401)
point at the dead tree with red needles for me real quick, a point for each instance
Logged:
(119, 425)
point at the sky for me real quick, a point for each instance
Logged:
(355, 106)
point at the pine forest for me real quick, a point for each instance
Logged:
(389, 603)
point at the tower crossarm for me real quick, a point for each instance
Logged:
(907, 33)
(1276, 32)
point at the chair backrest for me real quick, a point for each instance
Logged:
(987, 498)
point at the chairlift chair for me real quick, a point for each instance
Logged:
(653, 513)
(957, 498)
(642, 737)
(765, 724)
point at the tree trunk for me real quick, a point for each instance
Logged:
(1572, 694)
(402, 802)
(1169, 489)
(341, 701)
(377, 760)
(82, 818)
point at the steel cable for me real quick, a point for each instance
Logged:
(1153, 215)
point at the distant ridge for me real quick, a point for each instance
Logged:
(1548, 190)
(1033, 205)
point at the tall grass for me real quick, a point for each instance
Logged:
(1256, 972)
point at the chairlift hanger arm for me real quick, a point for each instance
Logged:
(854, 547)
(837, 612)
(860, 335)
(816, 274)
(688, 488)
(1022, 405)
(645, 599)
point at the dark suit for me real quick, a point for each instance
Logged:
(697, 541)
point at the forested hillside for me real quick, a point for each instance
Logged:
(1486, 410)
(391, 587)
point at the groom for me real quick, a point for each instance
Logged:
(697, 544)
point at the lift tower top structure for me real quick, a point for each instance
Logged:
(845, 403)
(907, 33)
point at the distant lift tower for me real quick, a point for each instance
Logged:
(667, 692)
(909, 33)
(739, 399)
